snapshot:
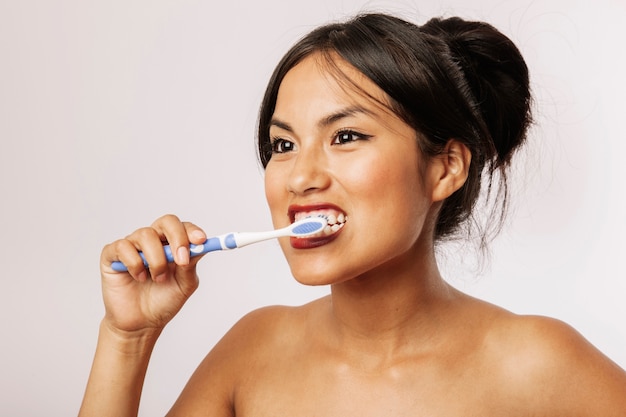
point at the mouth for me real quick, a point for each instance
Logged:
(336, 218)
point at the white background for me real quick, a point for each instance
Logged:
(113, 113)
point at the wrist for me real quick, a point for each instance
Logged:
(129, 342)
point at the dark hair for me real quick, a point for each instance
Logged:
(449, 78)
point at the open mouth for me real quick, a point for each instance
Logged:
(335, 218)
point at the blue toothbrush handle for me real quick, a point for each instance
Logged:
(210, 245)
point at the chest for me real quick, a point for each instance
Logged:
(296, 389)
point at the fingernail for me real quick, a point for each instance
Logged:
(142, 276)
(160, 278)
(183, 255)
(198, 236)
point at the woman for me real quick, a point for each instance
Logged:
(390, 130)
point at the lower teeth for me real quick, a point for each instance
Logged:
(332, 228)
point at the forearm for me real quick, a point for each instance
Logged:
(117, 374)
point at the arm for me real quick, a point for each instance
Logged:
(138, 305)
(117, 374)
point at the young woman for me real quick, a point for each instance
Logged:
(390, 130)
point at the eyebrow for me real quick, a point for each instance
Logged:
(326, 120)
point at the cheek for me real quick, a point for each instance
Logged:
(390, 179)
(273, 190)
(394, 197)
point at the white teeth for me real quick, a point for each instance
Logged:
(332, 228)
(335, 220)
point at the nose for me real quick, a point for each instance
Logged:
(309, 172)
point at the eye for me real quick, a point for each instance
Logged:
(346, 136)
(280, 145)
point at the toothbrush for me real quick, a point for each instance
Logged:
(301, 228)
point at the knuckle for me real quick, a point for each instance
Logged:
(144, 233)
(190, 226)
(167, 219)
(115, 247)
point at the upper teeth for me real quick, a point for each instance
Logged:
(335, 220)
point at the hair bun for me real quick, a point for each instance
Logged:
(497, 76)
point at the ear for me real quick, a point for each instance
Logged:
(449, 170)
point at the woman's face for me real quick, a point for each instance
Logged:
(339, 153)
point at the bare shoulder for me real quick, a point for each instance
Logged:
(266, 329)
(256, 337)
(547, 362)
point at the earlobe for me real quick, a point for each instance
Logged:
(451, 169)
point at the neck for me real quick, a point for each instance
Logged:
(384, 308)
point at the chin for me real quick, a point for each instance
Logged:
(314, 275)
(312, 280)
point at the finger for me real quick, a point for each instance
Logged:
(172, 230)
(124, 251)
(194, 233)
(196, 236)
(187, 277)
(149, 241)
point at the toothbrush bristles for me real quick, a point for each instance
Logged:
(310, 227)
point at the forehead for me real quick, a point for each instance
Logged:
(322, 80)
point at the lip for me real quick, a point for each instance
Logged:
(312, 242)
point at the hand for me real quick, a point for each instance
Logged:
(147, 299)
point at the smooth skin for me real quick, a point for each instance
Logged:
(393, 338)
